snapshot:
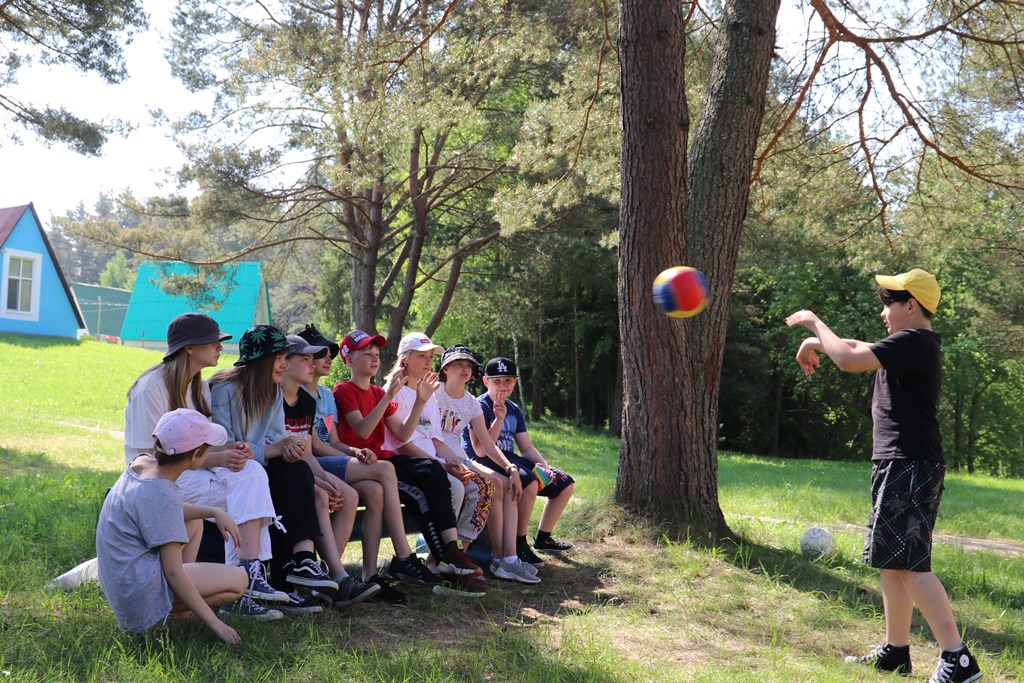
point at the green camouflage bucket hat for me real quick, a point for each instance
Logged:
(259, 341)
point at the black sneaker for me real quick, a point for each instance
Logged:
(527, 555)
(309, 574)
(351, 591)
(387, 592)
(300, 604)
(958, 666)
(412, 569)
(550, 545)
(886, 658)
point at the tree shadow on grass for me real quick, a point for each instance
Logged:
(815, 577)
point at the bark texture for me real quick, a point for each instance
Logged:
(675, 212)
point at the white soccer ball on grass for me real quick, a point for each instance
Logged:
(817, 542)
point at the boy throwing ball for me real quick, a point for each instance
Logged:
(907, 467)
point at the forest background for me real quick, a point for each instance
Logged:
(455, 168)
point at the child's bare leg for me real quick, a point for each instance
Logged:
(526, 503)
(554, 508)
(340, 524)
(899, 608)
(511, 523)
(931, 598)
(372, 496)
(194, 529)
(250, 536)
(496, 517)
(219, 584)
(384, 473)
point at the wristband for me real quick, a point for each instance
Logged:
(510, 469)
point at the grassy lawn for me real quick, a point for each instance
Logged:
(627, 605)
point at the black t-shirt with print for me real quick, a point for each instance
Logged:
(298, 418)
(906, 397)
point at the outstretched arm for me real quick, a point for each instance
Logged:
(849, 355)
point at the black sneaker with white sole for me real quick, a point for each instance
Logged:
(526, 554)
(300, 604)
(956, 666)
(551, 545)
(309, 574)
(413, 570)
(886, 658)
(352, 591)
(387, 592)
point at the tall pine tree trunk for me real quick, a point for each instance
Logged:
(675, 214)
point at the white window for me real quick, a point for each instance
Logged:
(19, 292)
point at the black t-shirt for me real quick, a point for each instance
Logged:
(906, 397)
(299, 418)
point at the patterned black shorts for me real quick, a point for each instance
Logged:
(905, 497)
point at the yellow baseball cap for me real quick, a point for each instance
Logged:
(921, 285)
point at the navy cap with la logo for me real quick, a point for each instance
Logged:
(500, 367)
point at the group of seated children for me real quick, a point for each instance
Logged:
(281, 464)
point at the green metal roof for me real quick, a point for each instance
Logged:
(237, 300)
(102, 306)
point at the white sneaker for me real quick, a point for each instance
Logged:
(514, 572)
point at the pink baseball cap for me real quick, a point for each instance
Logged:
(184, 429)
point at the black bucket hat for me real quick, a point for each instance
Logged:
(192, 328)
(459, 352)
(316, 338)
(259, 341)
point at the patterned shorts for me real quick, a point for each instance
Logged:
(905, 497)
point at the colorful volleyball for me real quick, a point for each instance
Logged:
(681, 292)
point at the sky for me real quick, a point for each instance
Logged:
(57, 179)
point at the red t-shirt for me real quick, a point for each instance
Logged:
(348, 397)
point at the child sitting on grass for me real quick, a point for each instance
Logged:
(144, 526)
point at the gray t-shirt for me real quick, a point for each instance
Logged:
(138, 516)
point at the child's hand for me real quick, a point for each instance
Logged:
(427, 385)
(364, 455)
(804, 319)
(294, 448)
(459, 471)
(396, 383)
(233, 458)
(807, 356)
(246, 448)
(225, 633)
(516, 485)
(500, 410)
(227, 527)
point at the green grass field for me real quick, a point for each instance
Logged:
(627, 605)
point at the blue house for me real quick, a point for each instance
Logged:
(237, 298)
(34, 296)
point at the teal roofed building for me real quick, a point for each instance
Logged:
(237, 299)
(103, 309)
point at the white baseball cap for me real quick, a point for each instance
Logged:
(417, 341)
(184, 429)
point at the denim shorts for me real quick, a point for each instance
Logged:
(335, 464)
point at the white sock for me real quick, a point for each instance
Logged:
(339, 577)
(510, 560)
